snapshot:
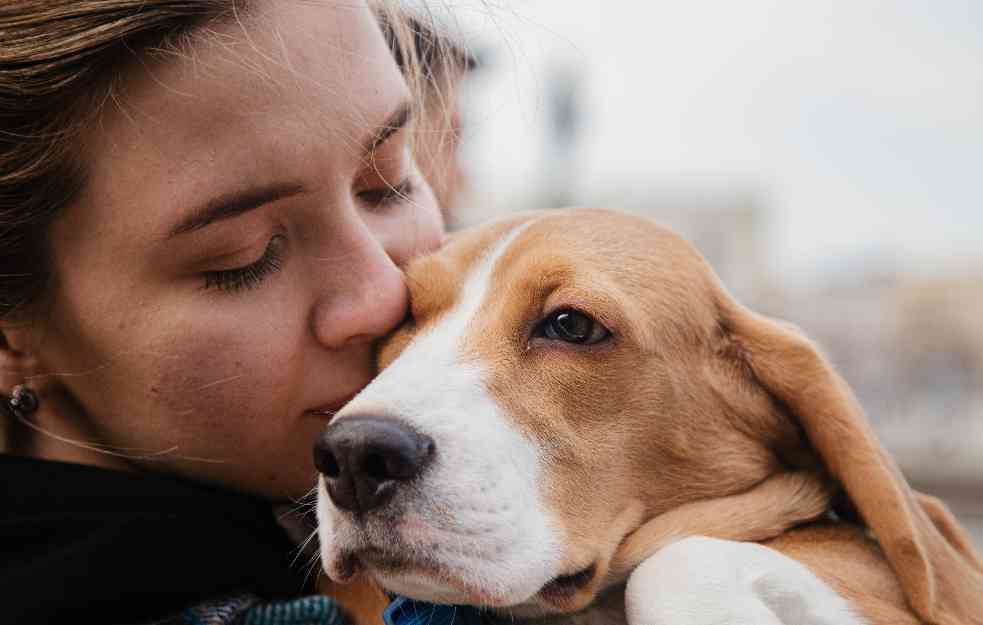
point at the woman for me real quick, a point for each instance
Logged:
(204, 208)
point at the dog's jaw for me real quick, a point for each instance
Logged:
(474, 527)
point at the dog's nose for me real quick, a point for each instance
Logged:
(365, 459)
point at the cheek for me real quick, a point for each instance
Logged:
(195, 379)
(217, 375)
(585, 414)
(216, 371)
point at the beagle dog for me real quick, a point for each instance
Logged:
(578, 424)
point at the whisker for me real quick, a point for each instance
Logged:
(303, 546)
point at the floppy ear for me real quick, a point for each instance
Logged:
(941, 577)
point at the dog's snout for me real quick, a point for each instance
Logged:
(365, 459)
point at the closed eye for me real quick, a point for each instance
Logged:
(252, 275)
(388, 194)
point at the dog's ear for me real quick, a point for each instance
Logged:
(941, 577)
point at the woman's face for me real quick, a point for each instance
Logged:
(220, 281)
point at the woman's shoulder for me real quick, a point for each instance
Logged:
(79, 541)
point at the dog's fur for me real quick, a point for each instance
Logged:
(696, 417)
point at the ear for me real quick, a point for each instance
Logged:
(19, 361)
(15, 368)
(942, 582)
(16, 365)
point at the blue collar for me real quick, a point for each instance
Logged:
(406, 611)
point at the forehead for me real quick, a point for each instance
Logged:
(583, 244)
(620, 268)
(287, 86)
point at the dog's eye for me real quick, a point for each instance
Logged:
(572, 326)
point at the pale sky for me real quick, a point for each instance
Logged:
(859, 123)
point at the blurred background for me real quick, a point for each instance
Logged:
(826, 157)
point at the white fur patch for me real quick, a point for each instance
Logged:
(477, 513)
(706, 581)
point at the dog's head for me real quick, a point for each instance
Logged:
(564, 377)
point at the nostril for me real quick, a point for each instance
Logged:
(377, 467)
(399, 463)
(398, 468)
(325, 460)
(329, 466)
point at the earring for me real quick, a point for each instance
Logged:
(22, 402)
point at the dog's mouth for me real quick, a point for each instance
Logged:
(346, 564)
(426, 573)
(564, 590)
(387, 562)
(565, 586)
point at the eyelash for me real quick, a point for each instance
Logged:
(253, 274)
(387, 195)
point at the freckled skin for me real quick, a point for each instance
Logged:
(217, 385)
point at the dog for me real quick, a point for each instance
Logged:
(578, 424)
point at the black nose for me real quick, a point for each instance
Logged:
(365, 459)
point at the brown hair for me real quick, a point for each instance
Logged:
(436, 65)
(57, 63)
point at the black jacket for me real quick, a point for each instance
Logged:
(81, 544)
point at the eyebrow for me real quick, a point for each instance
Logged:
(233, 205)
(396, 121)
(239, 202)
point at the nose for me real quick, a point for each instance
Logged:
(364, 460)
(365, 301)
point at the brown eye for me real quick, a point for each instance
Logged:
(572, 326)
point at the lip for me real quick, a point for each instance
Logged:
(329, 409)
(387, 562)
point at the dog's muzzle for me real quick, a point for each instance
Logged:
(365, 460)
